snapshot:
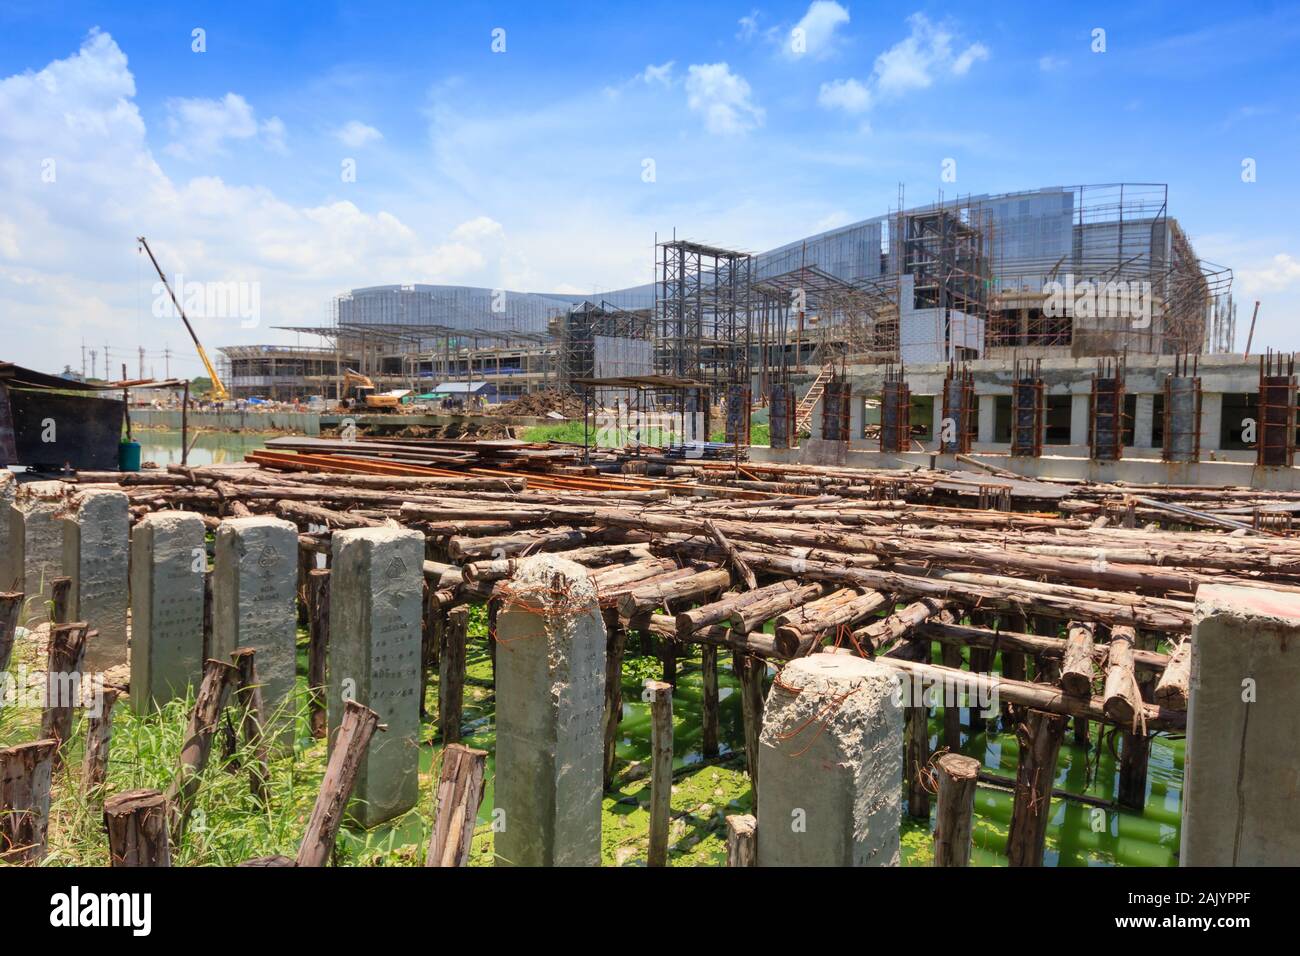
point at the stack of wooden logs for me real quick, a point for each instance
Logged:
(1086, 618)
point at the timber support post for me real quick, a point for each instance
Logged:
(1040, 742)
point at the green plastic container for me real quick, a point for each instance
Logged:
(128, 456)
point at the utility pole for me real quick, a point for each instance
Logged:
(107, 364)
(93, 354)
(142, 361)
(83, 359)
(167, 363)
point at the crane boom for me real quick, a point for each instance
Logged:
(218, 389)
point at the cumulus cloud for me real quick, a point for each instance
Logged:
(924, 55)
(814, 34)
(357, 134)
(200, 127)
(847, 95)
(723, 98)
(79, 176)
(1050, 64)
(1275, 274)
(661, 75)
(915, 63)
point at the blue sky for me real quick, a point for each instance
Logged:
(528, 168)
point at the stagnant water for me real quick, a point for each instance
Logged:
(207, 448)
(1078, 834)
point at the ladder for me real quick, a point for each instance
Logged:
(804, 410)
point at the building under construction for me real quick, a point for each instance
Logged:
(1054, 273)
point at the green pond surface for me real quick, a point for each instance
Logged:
(207, 448)
(705, 792)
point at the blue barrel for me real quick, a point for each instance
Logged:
(128, 456)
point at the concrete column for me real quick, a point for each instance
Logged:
(1211, 420)
(11, 564)
(1079, 411)
(376, 586)
(857, 412)
(1144, 414)
(168, 562)
(36, 540)
(936, 420)
(830, 761)
(550, 694)
(1243, 730)
(815, 425)
(254, 604)
(988, 416)
(96, 543)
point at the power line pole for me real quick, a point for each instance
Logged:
(167, 363)
(93, 354)
(142, 361)
(83, 359)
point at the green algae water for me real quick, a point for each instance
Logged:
(705, 792)
(163, 448)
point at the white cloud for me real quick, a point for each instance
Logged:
(911, 64)
(1275, 274)
(357, 134)
(968, 57)
(915, 62)
(847, 95)
(815, 31)
(662, 74)
(72, 269)
(478, 229)
(200, 127)
(1050, 64)
(723, 98)
(748, 26)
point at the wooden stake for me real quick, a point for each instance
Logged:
(207, 613)
(916, 754)
(1123, 700)
(61, 600)
(742, 840)
(318, 624)
(306, 564)
(951, 657)
(25, 774)
(218, 678)
(1076, 667)
(750, 671)
(1171, 691)
(451, 675)
(354, 733)
(432, 622)
(136, 822)
(11, 605)
(709, 707)
(63, 682)
(615, 646)
(957, 775)
(1040, 742)
(659, 694)
(248, 697)
(455, 811)
(99, 730)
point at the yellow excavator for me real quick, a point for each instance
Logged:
(219, 393)
(360, 392)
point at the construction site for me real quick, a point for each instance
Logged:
(1018, 532)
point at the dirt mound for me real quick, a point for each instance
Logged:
(538, 404)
